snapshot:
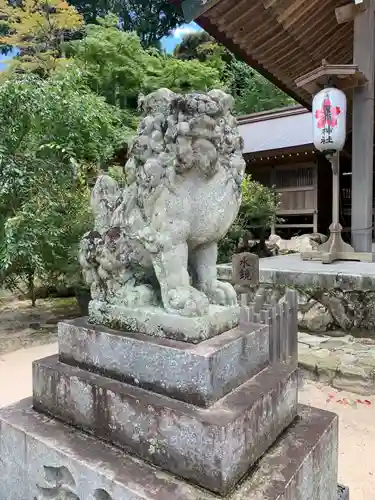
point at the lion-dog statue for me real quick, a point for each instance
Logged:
(155, 241)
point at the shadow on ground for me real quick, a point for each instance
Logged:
(24, 326)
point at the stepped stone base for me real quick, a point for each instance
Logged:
(212, 447)
(156, 322)
(43, 458)
(199, 374)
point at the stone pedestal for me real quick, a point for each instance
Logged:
(156, 322)
(43, 458)
(196, 373)
(112, 406)
(213, 447)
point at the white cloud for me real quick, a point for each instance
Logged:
(183, 30)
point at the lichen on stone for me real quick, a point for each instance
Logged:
(327, 310)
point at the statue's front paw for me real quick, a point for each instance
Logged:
(220, 293)
(186, 301)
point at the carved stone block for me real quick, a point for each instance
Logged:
(212, 447)
(245, 269)
(156, 322)
(37, 451)
(196, 373)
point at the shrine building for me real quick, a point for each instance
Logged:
(302, 46)
(279, 151)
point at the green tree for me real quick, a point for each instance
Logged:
(151, 20)
(112, 62)
(182, 76)
(257, 212)
(54, 132)
(201, 46)
(252, 91)
(115, 65)
(37, 28)
(192, 46)
(259, 205)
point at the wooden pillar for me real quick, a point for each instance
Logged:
(363, 131)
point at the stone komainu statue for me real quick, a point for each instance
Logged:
(155, 241)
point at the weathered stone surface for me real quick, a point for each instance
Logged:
(316, 477)
(311, 340)
(36, 452)
(344, 292)
(345, 363)
(182, 194)
(291, 270)
(316, 319)
(359, 379)
(297, 244)
(281, 320)
(196, 373)
(245, 269)
(212, 447)
(156, 322)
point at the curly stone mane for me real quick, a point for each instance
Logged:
(179, 133)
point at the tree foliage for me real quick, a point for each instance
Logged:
(37, 28)
(259, 205)
(114, 64)
(151, 20)
(183, 76)
(192, 46)
(252, 92)
(257, 213)
(200, 46)
(53, 132)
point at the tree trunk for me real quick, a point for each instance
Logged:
(263, 249)
(31, 288)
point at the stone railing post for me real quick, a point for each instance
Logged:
(281, 317)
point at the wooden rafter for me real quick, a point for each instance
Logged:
(283, 39)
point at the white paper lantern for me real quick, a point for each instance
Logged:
(329, 119)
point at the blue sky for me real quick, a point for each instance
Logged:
(3, 58)
(170, 42)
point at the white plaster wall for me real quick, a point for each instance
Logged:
(276, 133)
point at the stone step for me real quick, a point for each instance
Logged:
(199, 374)
(42, 456)
(212, 447)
